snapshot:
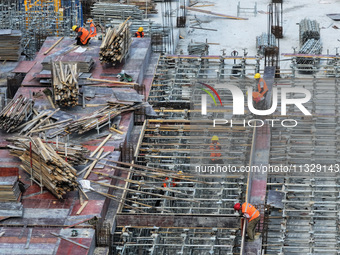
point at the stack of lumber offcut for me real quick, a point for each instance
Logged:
(65, 83)
(99, 117)
(116, 44)
(9, 189)
(15, 113)
(45, 165)
(10, 44)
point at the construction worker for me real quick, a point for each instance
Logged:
(93, 29)
(252, 215)
(259, 101)
(261, 85)
(173, 183)
(139, 33)
(215, 155)
(83, 35)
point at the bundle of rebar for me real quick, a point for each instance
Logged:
(116, 43)
(65, 83)
(45, 165)
(10, 41)
(312, 47)
(99, 117)
(15, 113)
(198, 49)
(309, 29)
(263, 41)
(103, 13)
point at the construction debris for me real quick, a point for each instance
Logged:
(198, 49)
(116, 44)
(100, 117)
(15, 113)
(9, 189)
(45, 165)
(10, 41)
(65, 83)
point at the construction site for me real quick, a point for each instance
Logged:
(148, 127)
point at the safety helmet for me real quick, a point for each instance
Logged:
(180, 172)
(140, 29)
(214, 138)
(237, 206)
(257, 76)
(74, 27)
(90, 20)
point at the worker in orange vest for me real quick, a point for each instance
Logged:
(83, 35)
(252, 215)
(93, 29)
(168, 184)
(262, 90)
(139, 33)
(215, 148)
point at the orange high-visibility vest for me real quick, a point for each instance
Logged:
(84, 36)
(93, 30)
(257, 97)
(139, 34)
(214, 155)
(172, 184)
(251, 211)
(264, 88)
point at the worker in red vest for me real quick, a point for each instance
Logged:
(83, 35)
(252, 215)
(215, 148)
(139, 33)
(93, 29)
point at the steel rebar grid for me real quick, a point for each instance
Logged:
(308, 221)
(189, 240)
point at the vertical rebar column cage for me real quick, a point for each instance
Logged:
(276, 17)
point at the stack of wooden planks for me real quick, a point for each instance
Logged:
(85, 63)
(100, 117)
(65, 83)
(9, 189)
(116, 44)
(10, 41)
(45, 165)
(16, 111)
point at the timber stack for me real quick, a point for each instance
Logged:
(116, 44)
(10, 41)
(100, 117)
(16, 111)
(48, 168)
(65, 83)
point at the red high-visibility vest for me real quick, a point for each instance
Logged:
(85, 35)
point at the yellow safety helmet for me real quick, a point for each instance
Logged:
(180, 172)
(140, 29)
(74, 27)
(214, 138)
(257, 76)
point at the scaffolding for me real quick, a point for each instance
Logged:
(307, 220)
(39, 20)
